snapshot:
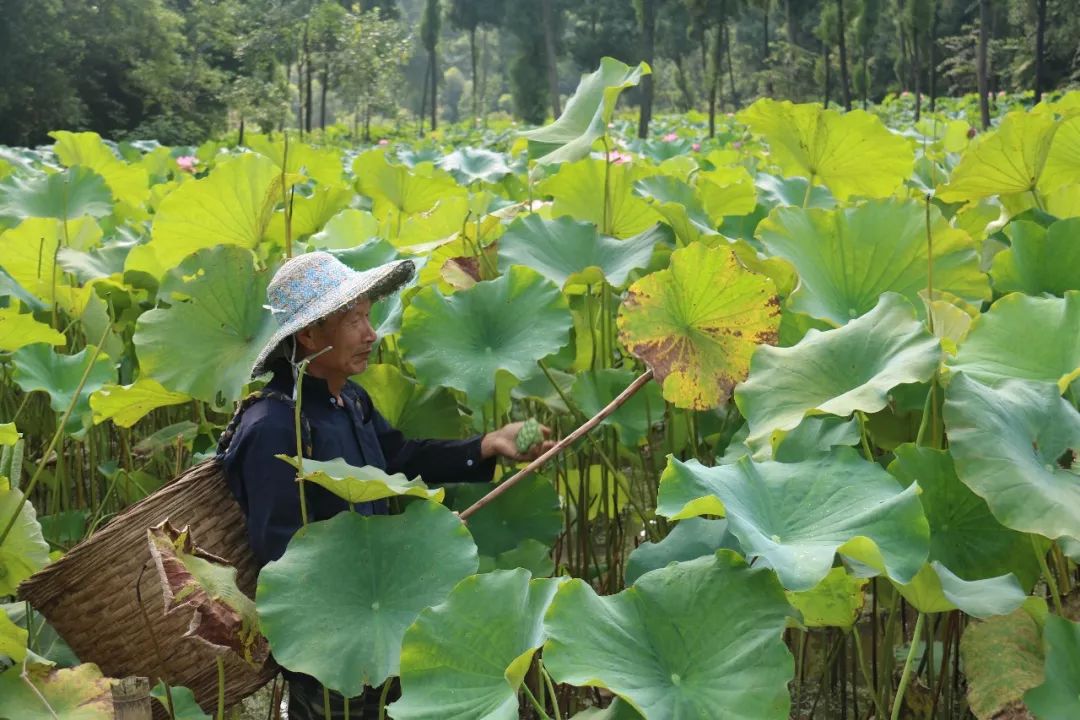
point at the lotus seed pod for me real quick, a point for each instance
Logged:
(528, 435)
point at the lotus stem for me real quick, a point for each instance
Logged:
(221, 686)
(865, 670)
(298, 397)
(551, 691)
(905, 677)
(382, 699)
(1050, 581)
(532, 699)
(327, 714)
(566, 442)
(809, 189)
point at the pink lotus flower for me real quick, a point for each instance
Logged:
(187, 163)
(736, 145)
(1001, 94)
(618, 157)
(696, 147)
(671, 137)
(905, 94)
(384, 141)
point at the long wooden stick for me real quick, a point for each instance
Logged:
(566, 442)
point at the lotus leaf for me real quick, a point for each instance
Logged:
(184, 705)
(63, 195)
(1002, 658)
(528, 511)
(8, 434)
(689, 539)
(586, 115)
(28, 253)
(322, 164)
(348, 229)
(1058, 698)
(424, 231)
(852, 153)
(377, 573)
(532, 555)
(568, 251)
(309, 213)
(815, 435)
(846, 258)
(726, 191)
(699, 638)
(125, 405)
(396, 188)
(18, 330)
(128, 183)
(507, 324)
(697, 323)
(469, 165)
(777, 191)
(13, 639)
(456, 665)
(1023, 337)
(42, 693)
(594, 389)
(1039, 259)
(1063, 159)
(362, 484)
(578, 190)
(417, 411)
(617, 710)
(833, 602)
(679, 205)
(204, 345)
(40, 368)
(936, 589)
(797, 516)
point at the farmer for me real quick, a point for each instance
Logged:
(322, 310)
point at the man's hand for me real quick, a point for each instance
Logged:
(502, 442)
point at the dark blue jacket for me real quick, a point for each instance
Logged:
(266, 487)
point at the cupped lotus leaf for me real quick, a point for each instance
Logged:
(183, 700)
(568, 251)
(350, 228)
(847, 257)
(128, 183)
(594, 389)
(578, 190)
(13, 639)
(833, 602)
(37, 691)
(322, 164)
(1005, 161)
(1026, 338)
(401, 189)
(375, 573)
(586, 115)
(309, 213)
(697, 323)
(837, 372)
(678, 203)
(936, 589)
(62, 196)
(24, 551)
(40, 368)
(726, 191)
(204, 345)
(1003, 658)
(853, 153)
(18, 330)
(1058, 697)
(528, 511)
(797, 516)
(224, 618)
(776, 191)
(1012, 446)
(456, 665)
(469, 165)
(233, 205)
(417, 411)
(697, 639)
(688, 540)
(1063, 159)
(1039, 260)
(125, 405)
(362, 484)
(509, 324)
(28, 254)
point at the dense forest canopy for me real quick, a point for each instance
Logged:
(180, 70)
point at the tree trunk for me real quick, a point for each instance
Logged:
(980, 63)
(684, 84)
(423, 100)
(731, 70)
(714, 81)
(549, 53)
(322, 95)
(240, 140)
(1040, 46)
(916, 70)
(841, 34)
(434, 64)
(648, 47)
(931, 61)
(475, 82)
(828, 74)
(865, 80)
(486, 61)
(307, 81)
(765, 49)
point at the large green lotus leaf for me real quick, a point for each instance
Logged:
(594, 389)
(797, 516)
(507, 324)
(39, 367)
(1008, 443)
(1063, 159)
(128, 183)
(24, 550)
(350, 228)
(469, 165)
(680, 206)
(362, 484)
(847, 257)
(18, 330)
(1058, 698)
(13, 639)
(1026, 338)
(373, 574)
(204, 345)
(417, 411)
(1005, 161)
(1003, 658)
(587, 113)
(839, 371)
(125, 405)
(697, 323)
(578, 190)
(63, 195)
(28, 254)
(697, 639)
(531, 555)
(936, 589)
(309, 213)
(814, 435)
(401, 189)
(322, 164)
(568, 251)
(778, 191)
(833, 602)
(689, 539)
(434, 228)
(231, 206)
(81, 693)
(852, 153)
(457, 664)
(184, 705)
(1039, 260)
(726, 191)
(528, 511)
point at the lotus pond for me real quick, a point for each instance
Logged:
(848, 490)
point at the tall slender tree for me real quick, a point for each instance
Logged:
(550, 55)
(646, 15)
(430, 26)
(841, 37)
(982, 62)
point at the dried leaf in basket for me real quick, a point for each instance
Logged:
(224, 617)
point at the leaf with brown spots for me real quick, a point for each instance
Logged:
(1003, 658)
(697, 323)
(38, 691)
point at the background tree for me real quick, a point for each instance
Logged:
(429, 36)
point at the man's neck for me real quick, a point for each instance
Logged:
(334, 381)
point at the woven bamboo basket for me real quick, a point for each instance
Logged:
(89, 595)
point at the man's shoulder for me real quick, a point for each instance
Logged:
(269, 410)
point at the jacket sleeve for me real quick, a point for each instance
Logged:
(436, 461)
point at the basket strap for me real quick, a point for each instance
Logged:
(230, 430)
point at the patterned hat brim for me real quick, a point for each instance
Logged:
(374, 284)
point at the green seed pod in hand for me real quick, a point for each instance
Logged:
(528, 435)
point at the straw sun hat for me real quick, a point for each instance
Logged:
(311, 286)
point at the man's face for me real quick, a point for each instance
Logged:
(349, 333)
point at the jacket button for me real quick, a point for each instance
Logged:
(469, 462)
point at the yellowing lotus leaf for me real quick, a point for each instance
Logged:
(125, 405)
(20, 329)
(38, 691)
(1063, 161)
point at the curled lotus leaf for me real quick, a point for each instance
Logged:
(689, 539)
(457, 666)
(937, 589)
(701, 638)
(362, 484)
(125, 405)
(1014, 445)
(833, 602)
(18, 330)
(680, 206)
(837, 372)
(224, 618)
(797, 516)
(64, 195)
(1058, 698)
(697, 323)
(40, 368)
(1039, 259)
(38, 691)
(469, 165)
